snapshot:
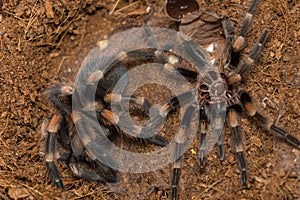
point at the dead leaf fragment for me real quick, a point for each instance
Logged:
(18, 192)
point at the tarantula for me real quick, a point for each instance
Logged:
(83, 122)
(221, 98)
(73, 115)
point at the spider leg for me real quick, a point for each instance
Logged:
(94, 139)
(243, 66)
(143, 133)
(171, 62)
(179, 100)
(220, 146)
(216, 112)
(236, 132)
(52, 130)
(240, 42)
(79, 152)
(265, 122)
(157, 119)
(229, 35)
(180, 139)
(140, 56)
(89, 175)
(60, 97)
(115, 97)
(256, 51)
(119, 99)
(203, 141)
(111, 118)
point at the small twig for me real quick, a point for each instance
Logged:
(287, 174)
(281, 113)
(65, 28)
(30, 22)
(3, 132)
(211, 186)
(32, 189)
(114, 8)
(82, 196)
(285, 21)
(4, 178)
(126, 7)
(60, 64)
(32, 19)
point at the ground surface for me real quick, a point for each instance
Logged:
(44, 42)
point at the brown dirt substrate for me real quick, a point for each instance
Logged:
(44, 42)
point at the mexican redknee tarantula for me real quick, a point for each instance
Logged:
(74, 115)
(221, 97)
(83, 122)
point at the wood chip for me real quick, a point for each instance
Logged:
(49, 9)
(18, 192)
